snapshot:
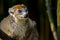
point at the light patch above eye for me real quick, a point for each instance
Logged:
(23, 9)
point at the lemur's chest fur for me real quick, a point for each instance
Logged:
(20, 29)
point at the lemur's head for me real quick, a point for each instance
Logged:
(19, 11)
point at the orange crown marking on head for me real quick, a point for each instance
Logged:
(19, 6)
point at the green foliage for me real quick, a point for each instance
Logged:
(58, 18)
(58, 12)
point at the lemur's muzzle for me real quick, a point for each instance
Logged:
(24, 14)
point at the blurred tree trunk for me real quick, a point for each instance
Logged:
(45, 31)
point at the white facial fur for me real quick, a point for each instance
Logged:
(22, 14)
(18, 15)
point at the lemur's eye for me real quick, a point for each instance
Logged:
(12, 12)
(19, 11)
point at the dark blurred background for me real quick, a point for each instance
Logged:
(37, 11)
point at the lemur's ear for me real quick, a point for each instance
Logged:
(11, 11)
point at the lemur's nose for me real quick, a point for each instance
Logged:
(26, 15)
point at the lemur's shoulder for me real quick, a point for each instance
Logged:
(5, 25)
(32, 23)
(5, 20)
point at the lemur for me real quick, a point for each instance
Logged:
(18, 25)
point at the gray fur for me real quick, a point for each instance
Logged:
(24, 30)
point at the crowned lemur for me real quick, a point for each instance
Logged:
(18, 25)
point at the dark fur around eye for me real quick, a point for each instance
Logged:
(19, 11)
(12, 12)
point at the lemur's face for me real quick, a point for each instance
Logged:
(19, 11)
(22, 12)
